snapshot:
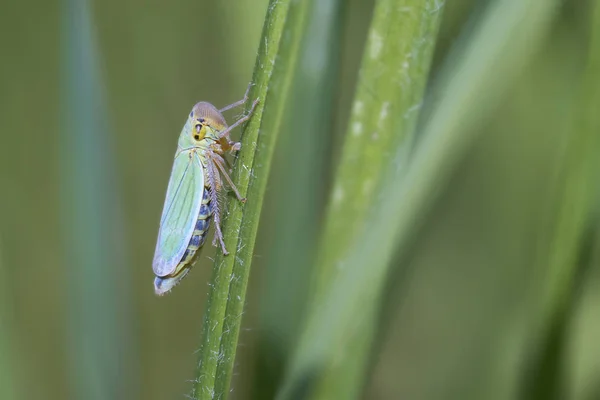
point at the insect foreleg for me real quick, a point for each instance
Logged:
(240, 102)
(239, 121)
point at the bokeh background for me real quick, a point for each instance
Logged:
(75, 267)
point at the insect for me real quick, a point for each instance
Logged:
(193, 192)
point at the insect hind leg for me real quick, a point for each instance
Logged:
(214, 181)
(220, 164)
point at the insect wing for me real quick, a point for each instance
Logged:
(181, 209)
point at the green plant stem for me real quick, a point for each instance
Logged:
(7, 360)
(296, 197)
(575, 224)
(482, 65)
(273, 74)
(386, 107)
(92, 230)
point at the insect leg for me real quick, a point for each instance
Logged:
(240, 121)
(240, 102)
(228, 165)
(214, 199)
(221, 166)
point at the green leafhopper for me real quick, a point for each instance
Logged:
(193, 192)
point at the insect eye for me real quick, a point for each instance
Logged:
(198, 133)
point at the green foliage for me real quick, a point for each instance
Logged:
(422, 191)
(274, 70)
(92, 230)
(401, 204)
(7, 360)
(386, 107)
(573, 234)
(295, 203)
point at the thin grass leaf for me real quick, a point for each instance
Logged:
(97, 333)
(574, 232)
(297, 191)
(386, 107)
(483, 65)
(273, 74)
(7, 345)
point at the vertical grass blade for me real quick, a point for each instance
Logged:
(90, 219)
(273, 74)
(7, 345)
(575, 224)
(505, 39)
(297, 191)
(388, 99)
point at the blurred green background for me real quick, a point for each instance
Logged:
(454, 328)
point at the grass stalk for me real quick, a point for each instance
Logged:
(273, 74)
(7, 345)
(481, 65)
(386, 107)
(91, 220)
(574, 232)
(296, 195)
